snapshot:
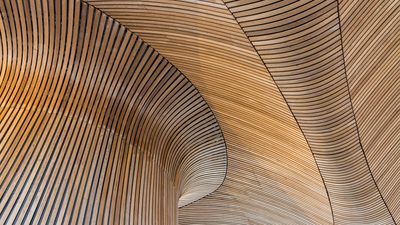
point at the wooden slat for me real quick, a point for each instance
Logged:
(96, 127)
(300, 44)
(371, 37)
(272, 177)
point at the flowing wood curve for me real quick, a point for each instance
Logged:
(300, 43)
(371, 44)
(96, 127)
(272, 177)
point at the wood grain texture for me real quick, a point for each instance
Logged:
(300, 44)
(272, 177)
(96, 127)
(371, 37)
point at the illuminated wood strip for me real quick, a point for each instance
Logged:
(96, 127)
(300, 43)
(272, 177)
(371, 37)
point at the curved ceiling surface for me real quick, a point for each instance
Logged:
(265, 145)
(291, 114)
(96, 126)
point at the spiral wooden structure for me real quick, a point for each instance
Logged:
(211, 112)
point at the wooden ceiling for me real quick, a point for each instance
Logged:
(301, 45)
(96, 126)
(107, 112)
(272, 176)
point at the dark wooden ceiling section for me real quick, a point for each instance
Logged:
(96, 127)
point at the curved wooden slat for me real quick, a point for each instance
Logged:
(371, 37)
(300, 43)
(96, 127)
(272, 177)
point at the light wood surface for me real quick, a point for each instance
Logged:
(272, 177)
(371, 50)
(96, 127)
(301, 45)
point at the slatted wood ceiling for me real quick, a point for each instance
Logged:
(272, 177)
(300, 44)
(306, 92)
(371, 51)
(96, 127)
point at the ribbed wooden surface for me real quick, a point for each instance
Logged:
(98, 128)
(95, 126)
(300, 44)
(371, 42)
(272, 177)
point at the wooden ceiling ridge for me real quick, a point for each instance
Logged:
(305, 109)
(119, 111)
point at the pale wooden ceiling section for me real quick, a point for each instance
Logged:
(238, 111)
(272, 177)
(371, 42)
(300, 43)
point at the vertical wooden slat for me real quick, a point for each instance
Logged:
(96, 126)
